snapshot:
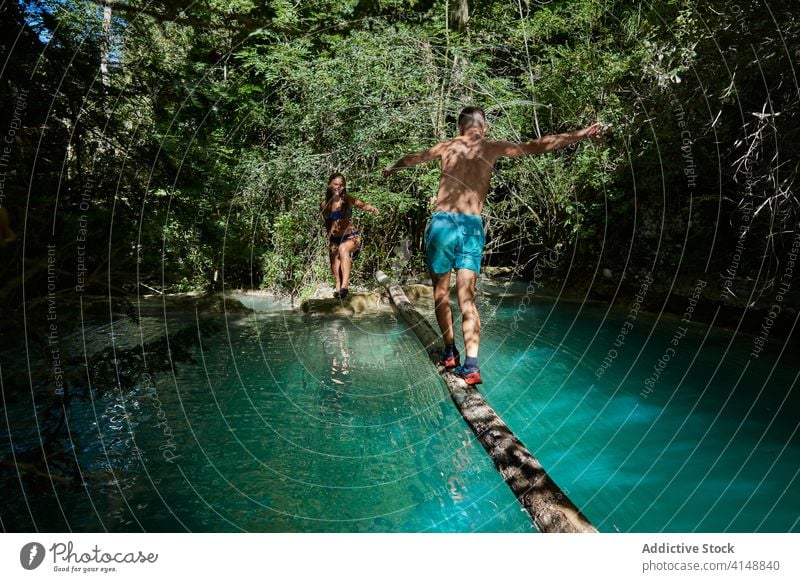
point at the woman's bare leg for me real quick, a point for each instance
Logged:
(336, 269)
(346, 260)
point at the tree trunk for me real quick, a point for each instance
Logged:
(105, 47)
(459, 16)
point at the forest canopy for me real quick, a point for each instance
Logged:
(172, 146)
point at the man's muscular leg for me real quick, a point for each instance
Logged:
(441, 298)
(471, 321)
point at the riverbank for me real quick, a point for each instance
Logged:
(770, 317)
(770, 314)
(695, 299)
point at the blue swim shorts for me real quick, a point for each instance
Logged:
(454, 241)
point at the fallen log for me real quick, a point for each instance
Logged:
(548, 506)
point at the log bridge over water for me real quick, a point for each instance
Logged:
(548, 506)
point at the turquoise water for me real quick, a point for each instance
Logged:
(286, 422)
(279, 422)
(707, 440)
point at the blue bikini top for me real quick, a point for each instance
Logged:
(339, 214)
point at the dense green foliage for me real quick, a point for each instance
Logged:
(201, 154)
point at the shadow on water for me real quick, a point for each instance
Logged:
(69, 431)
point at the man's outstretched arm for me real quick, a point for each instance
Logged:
(413, 159)
(545, 144)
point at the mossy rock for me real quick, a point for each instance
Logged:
(417, 292)
(353, 304)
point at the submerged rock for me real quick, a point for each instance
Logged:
(203, 303)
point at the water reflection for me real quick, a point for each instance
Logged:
(340, 357)
(335, 397)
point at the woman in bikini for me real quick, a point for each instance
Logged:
(344, 240)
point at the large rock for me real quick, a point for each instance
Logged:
(353, 304)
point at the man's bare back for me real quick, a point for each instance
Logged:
(467, 165)
(467, 162)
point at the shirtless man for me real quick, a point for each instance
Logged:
(454, 238)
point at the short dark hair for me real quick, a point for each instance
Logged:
(470, 116)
